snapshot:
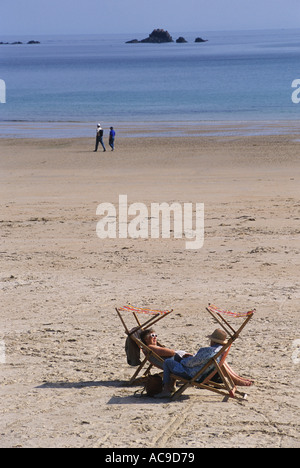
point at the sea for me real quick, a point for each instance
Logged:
(65, 85)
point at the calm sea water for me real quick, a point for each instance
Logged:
(85, 79)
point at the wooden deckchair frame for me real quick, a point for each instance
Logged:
(227, 387)
(156, 316)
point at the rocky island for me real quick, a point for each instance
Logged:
(160, 36)
(181, 40)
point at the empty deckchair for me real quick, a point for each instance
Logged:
(225, 386)
(150, 358)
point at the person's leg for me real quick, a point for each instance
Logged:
(101, 141)
(97, 143)
(168, 382)
(168, 369)
(237, 380)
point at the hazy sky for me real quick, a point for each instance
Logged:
(36, 17)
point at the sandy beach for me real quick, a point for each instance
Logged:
(64, 370)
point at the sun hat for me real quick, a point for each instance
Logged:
(218, 336)
(99, 125)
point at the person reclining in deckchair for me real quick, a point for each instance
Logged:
(149, 338)
(188, 367)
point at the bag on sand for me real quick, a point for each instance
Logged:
(153, 385)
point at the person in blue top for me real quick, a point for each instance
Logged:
(112, 135)
(190, 366)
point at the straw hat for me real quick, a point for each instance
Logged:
(219, 336)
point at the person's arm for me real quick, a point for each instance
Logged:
(163, 352)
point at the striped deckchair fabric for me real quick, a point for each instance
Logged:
(216, 310)
(218, 316)
(142, 310)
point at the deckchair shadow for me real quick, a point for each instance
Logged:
(224, 385)
(149, 359)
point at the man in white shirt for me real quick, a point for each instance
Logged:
(99, 138)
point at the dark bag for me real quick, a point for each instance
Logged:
(153, 385)
(132, 350)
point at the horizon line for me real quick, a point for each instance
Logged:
(143, 32)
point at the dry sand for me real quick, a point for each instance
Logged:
(63, 380)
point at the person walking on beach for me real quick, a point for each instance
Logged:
(112, 135)
(99, 138)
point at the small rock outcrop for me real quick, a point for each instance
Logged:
(181, 40)
(133, 41)
(199, 39)
(158, 36)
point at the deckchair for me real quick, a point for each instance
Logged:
(150, 357)
(225, 386)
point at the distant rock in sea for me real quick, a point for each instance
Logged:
(158, 36)
(181, 40)
(19, 43)
(199, 39)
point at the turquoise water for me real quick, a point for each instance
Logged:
(85, 79)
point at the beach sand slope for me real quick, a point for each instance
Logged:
(64, 373)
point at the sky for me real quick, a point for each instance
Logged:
(37, 17)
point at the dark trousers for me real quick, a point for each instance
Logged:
(99, 140)
(112, 143)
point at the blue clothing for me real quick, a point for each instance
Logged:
(112, 135)
(160, 364)
(190, 366)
